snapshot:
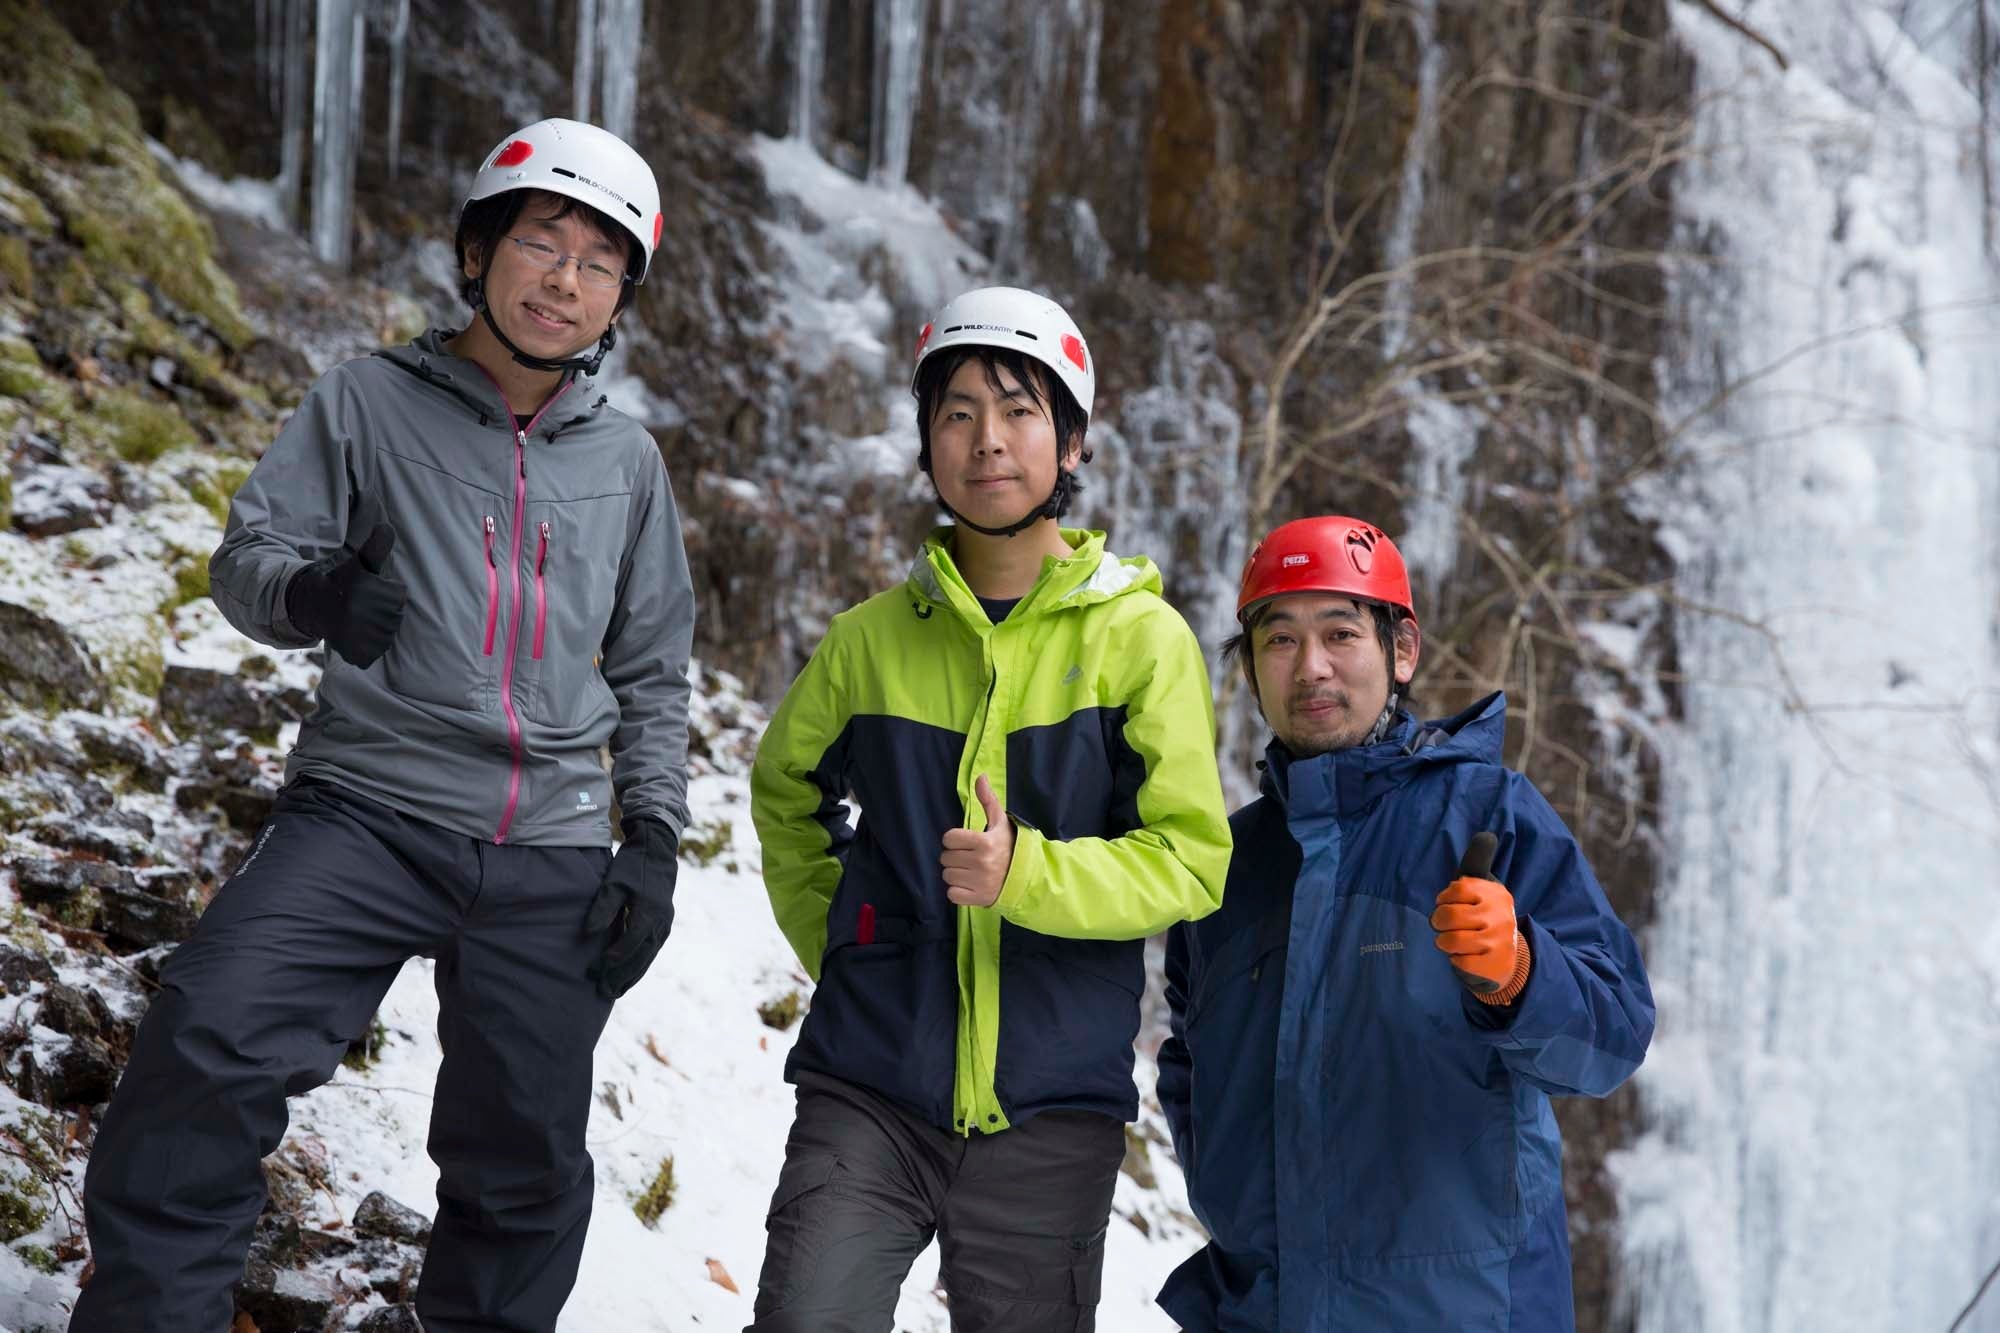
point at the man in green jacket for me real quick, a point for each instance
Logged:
(1029, 732)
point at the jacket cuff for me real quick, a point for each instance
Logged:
(1023, 872)
(1516, 983)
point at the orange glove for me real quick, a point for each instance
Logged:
(1475, 928)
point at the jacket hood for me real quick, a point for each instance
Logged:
(426, 357)
(1089, 574)
(1353, 778)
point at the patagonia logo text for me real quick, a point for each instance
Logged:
(1386, 946)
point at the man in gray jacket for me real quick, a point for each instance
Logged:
(493, 559)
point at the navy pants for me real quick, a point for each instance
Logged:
(1019, 1217)
(285, 969)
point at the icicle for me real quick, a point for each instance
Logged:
(621, 26)
(1021, 140)
(399, 31)
(806, 80)
(1086, 83)
(266, 82)
(290, 37)
(899, 44)
(337, 91)
(766, 29)
(583, 82)
(1400, 245)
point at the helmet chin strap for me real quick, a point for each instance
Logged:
(587, 364)
(1049, 508)
(1387, 722)
(1383, 724)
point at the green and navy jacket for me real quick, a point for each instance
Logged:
(1088, 709)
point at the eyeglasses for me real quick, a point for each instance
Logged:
(545, 256)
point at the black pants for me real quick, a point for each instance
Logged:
(1019, 1217)
(285, 969)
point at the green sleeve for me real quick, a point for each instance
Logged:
(796, 801)
(1172, 867)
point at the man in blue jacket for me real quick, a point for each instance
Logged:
(1411, 957)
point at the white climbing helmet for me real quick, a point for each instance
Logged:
(580, 162)
(1019, 321)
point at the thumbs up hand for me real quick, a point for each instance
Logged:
(975, 863)
(350, 599)
(1476, 929)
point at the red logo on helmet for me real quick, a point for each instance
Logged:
(922, 339)
(659, 225)
(1073, 349)
(514, 154)
(1361, 549)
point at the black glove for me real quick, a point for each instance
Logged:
(347, 600)
(639, 887)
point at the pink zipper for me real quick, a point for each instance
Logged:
(514, 616)
(541, 599)
(492, 589)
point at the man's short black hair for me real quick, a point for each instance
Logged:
(485, 222)
(1048, 390)
(1237, 650)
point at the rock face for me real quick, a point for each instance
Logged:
(1198, 182)
(43, 665)
(50, 501)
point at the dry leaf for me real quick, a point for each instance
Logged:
(763, 1043)
(720, 1277)
(244, 1323)
(652, 1049)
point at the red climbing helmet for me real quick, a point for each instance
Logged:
(1326, 554)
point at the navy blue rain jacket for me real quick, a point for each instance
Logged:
(1369, 1147)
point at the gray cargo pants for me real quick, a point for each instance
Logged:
(285, 969)
(1019, 1216)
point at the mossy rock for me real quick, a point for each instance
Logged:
(366, 1050)
(703, 842)
(782, 1012)
(141, 667)
(214, 490)
(22, 374)
(67, 138)
(24, 208)
(21, 1209)
(75, 139)
(658, 1196)
(190, 584)
(39, 1258)
(141, 429)
(17, 266)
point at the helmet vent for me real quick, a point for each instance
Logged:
(1023, 333)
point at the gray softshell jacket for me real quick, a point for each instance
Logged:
(550, 609)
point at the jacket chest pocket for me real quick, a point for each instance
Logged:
(569, 581)
(438, 654)
(1237, 981)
